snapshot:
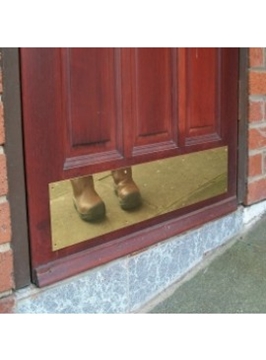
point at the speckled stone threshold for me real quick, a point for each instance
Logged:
(125, 285)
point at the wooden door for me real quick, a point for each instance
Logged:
(88, 110)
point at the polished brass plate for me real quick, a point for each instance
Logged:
(165, 185)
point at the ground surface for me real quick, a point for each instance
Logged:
(235, 282)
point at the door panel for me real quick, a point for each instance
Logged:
(91, 96)
(203, 73)
(91, 92)
(201, 95)
(154, 102)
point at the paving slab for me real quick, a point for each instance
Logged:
(234, 282)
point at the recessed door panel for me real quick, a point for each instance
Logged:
(91, 94)
(200, 92)
(154, 100)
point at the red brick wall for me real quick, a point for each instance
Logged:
(6, 260)
(257, 126)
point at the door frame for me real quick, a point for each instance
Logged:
(243, 125)
(15, 166)
(79, 262)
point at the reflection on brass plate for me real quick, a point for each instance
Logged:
(164, 185)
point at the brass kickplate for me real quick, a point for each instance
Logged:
(165, 185)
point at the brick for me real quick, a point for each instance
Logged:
(257, 138)
(256, 57)
(6, 271)
(5, 224)
(256, 191)
(2, 128)
(255, 167)
(264, 162)
(257, 82)
(7, 305)
(3, 175)
(256, 110)
(1, 82)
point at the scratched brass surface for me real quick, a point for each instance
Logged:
(165, 185)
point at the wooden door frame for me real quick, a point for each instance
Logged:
(15, 166)
(17, 188)
(243, 125)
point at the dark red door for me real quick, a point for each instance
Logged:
(89, 110)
